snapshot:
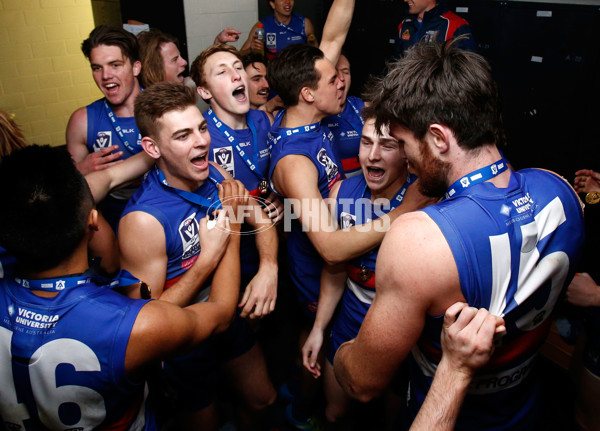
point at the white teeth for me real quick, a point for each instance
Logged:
(111, 85)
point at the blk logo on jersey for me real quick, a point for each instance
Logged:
(224, 157)
(103, 140)
(190, 241)
(271, 41)
(330, 167)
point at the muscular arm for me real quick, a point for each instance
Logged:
(467, 344)
(416, 276)
(85, 161)
(296, 177)
(336, 29)
(102, 182)
(144, 254)
(163, 329)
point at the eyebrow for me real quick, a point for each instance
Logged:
(177, 132)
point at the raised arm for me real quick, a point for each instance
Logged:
(252, 43)
(336, 29)
(296, 177)
(76, 137)
(311, 37)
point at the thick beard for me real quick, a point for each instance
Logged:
(433, 174)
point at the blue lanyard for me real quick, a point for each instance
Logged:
(223, 128)
(476, 177)
(354, 124)
(296, 131)
(190, 196)
(396, 201)
(123, 278)
(117, 127)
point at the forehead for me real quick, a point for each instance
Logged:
(370, 131)
(168, 50)
(343, 63)
(257, 68)
(325, 68)
(220, 58)
(106, 54)
(178, 119)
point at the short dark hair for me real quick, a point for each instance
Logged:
(197, 68)
(149, 41)
(251, 58)
(440, 83)
(158, 99)
(293, 70)
(46, 203)
(112, 36)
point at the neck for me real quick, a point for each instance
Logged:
(77, 263)
(301, 115)
(390, 191)
(233, 121)
(283, 19)
(470, 161)
(125, 109)
(176, 181)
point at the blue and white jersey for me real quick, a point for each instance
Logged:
(347, 131)
(279, 35)
(178, 217)
(101, 132)
(224, 152)
(58, 370)
(515, 251)
(313, 141)
(354, 207)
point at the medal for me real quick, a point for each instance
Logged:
(263, 186)
(364, 274)
(592, 198)
(145, 292)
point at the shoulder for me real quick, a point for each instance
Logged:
(78, 118)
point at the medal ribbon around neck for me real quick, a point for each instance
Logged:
(191, 196)
(476, 177)
(396, 201)
(124, 278)
(295, 131)
(117, 127)
(226, 131)
(355, 125)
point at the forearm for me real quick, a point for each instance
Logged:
(332, 289)
(225, 288)
(336, 28)
(443, 401)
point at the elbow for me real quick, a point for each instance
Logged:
(361, 392)
(330, 256)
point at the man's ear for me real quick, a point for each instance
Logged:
(204, 92)
(151, 147)
(137, 68)
(93, 220)
(441, 137)
(307, 95)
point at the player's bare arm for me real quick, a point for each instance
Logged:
(416, 275)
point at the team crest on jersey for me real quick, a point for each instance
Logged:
(431, 36)
(224, 157)
(103, 140)
(347, 220)
(330, 167)
(188, 231)
(406, 35)
(271, 41)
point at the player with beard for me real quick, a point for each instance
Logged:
(502, 240)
